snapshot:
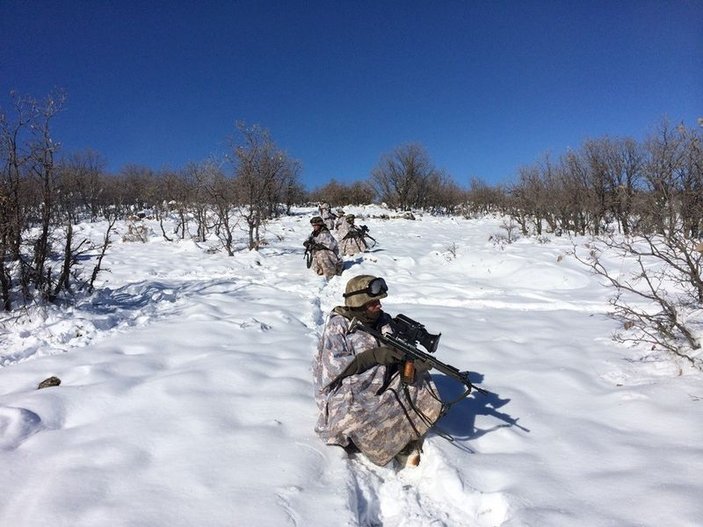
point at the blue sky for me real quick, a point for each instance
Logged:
(485, 87)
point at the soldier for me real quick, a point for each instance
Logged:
(363, 405)
(327, 216)
(339, 222)
(352, 237)
(322, 251)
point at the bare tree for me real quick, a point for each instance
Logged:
(623, 160)
(689, 179)
(82, 176)
(333, 192)
(574, 180)
(402, 177)
(137, 189)
(359, 193)
(482, 198)
(199, 178)
(16, 158)
(221, 195)
(293, 192)
(180, 190)
(111, 218)
(531, 199)
(440, 194)
(663, 149)
(599, 183)
(39, 205)
(339, 194)
(263, 173)
(42, 167)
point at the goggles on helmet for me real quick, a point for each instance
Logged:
(376, 287)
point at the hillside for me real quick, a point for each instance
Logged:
(186, 393)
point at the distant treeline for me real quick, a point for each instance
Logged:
(608, 183)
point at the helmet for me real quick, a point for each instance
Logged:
(340, 211)
(350, 218)
(324, 206)
(316, 220)
(363, 289)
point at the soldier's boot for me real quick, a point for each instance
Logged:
(410, 455)
(351, 449)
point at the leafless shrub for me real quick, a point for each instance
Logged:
(661, 302)
(499, 240)
(103, 249)
(136, 232)
(451, 251)
(510, 227)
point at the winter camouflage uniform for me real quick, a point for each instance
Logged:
(340, 222)
(327, 216)
(325, 251)
(370, 409)
(352, 238)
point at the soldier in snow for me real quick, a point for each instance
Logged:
(322, 250)
(339, 222)
(363, 404)
(327, 216)
(352, 237)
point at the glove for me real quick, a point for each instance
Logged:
(422, 366)
(366, 360)
(383, 355)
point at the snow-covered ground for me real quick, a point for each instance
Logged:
(186, 394)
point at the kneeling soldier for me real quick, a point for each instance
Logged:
(322, 251)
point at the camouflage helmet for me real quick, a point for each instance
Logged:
(317, 220)
(363, 289)
(340, 211)
(350, 218)
(324, 206)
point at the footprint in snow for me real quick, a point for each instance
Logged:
(432, 494)
(16, 425)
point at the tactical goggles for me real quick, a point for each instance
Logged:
(376, 287)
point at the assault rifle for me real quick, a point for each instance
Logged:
(311, 246)
(365, 233)
(362, 231)
(405, 335)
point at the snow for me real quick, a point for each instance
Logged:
(186, 394)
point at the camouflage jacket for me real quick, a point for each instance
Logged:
(326, 259)
(323, 238)
(329, 218)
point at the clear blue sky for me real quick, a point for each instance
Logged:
(485, 86)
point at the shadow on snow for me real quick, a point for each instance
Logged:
(460, 420)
